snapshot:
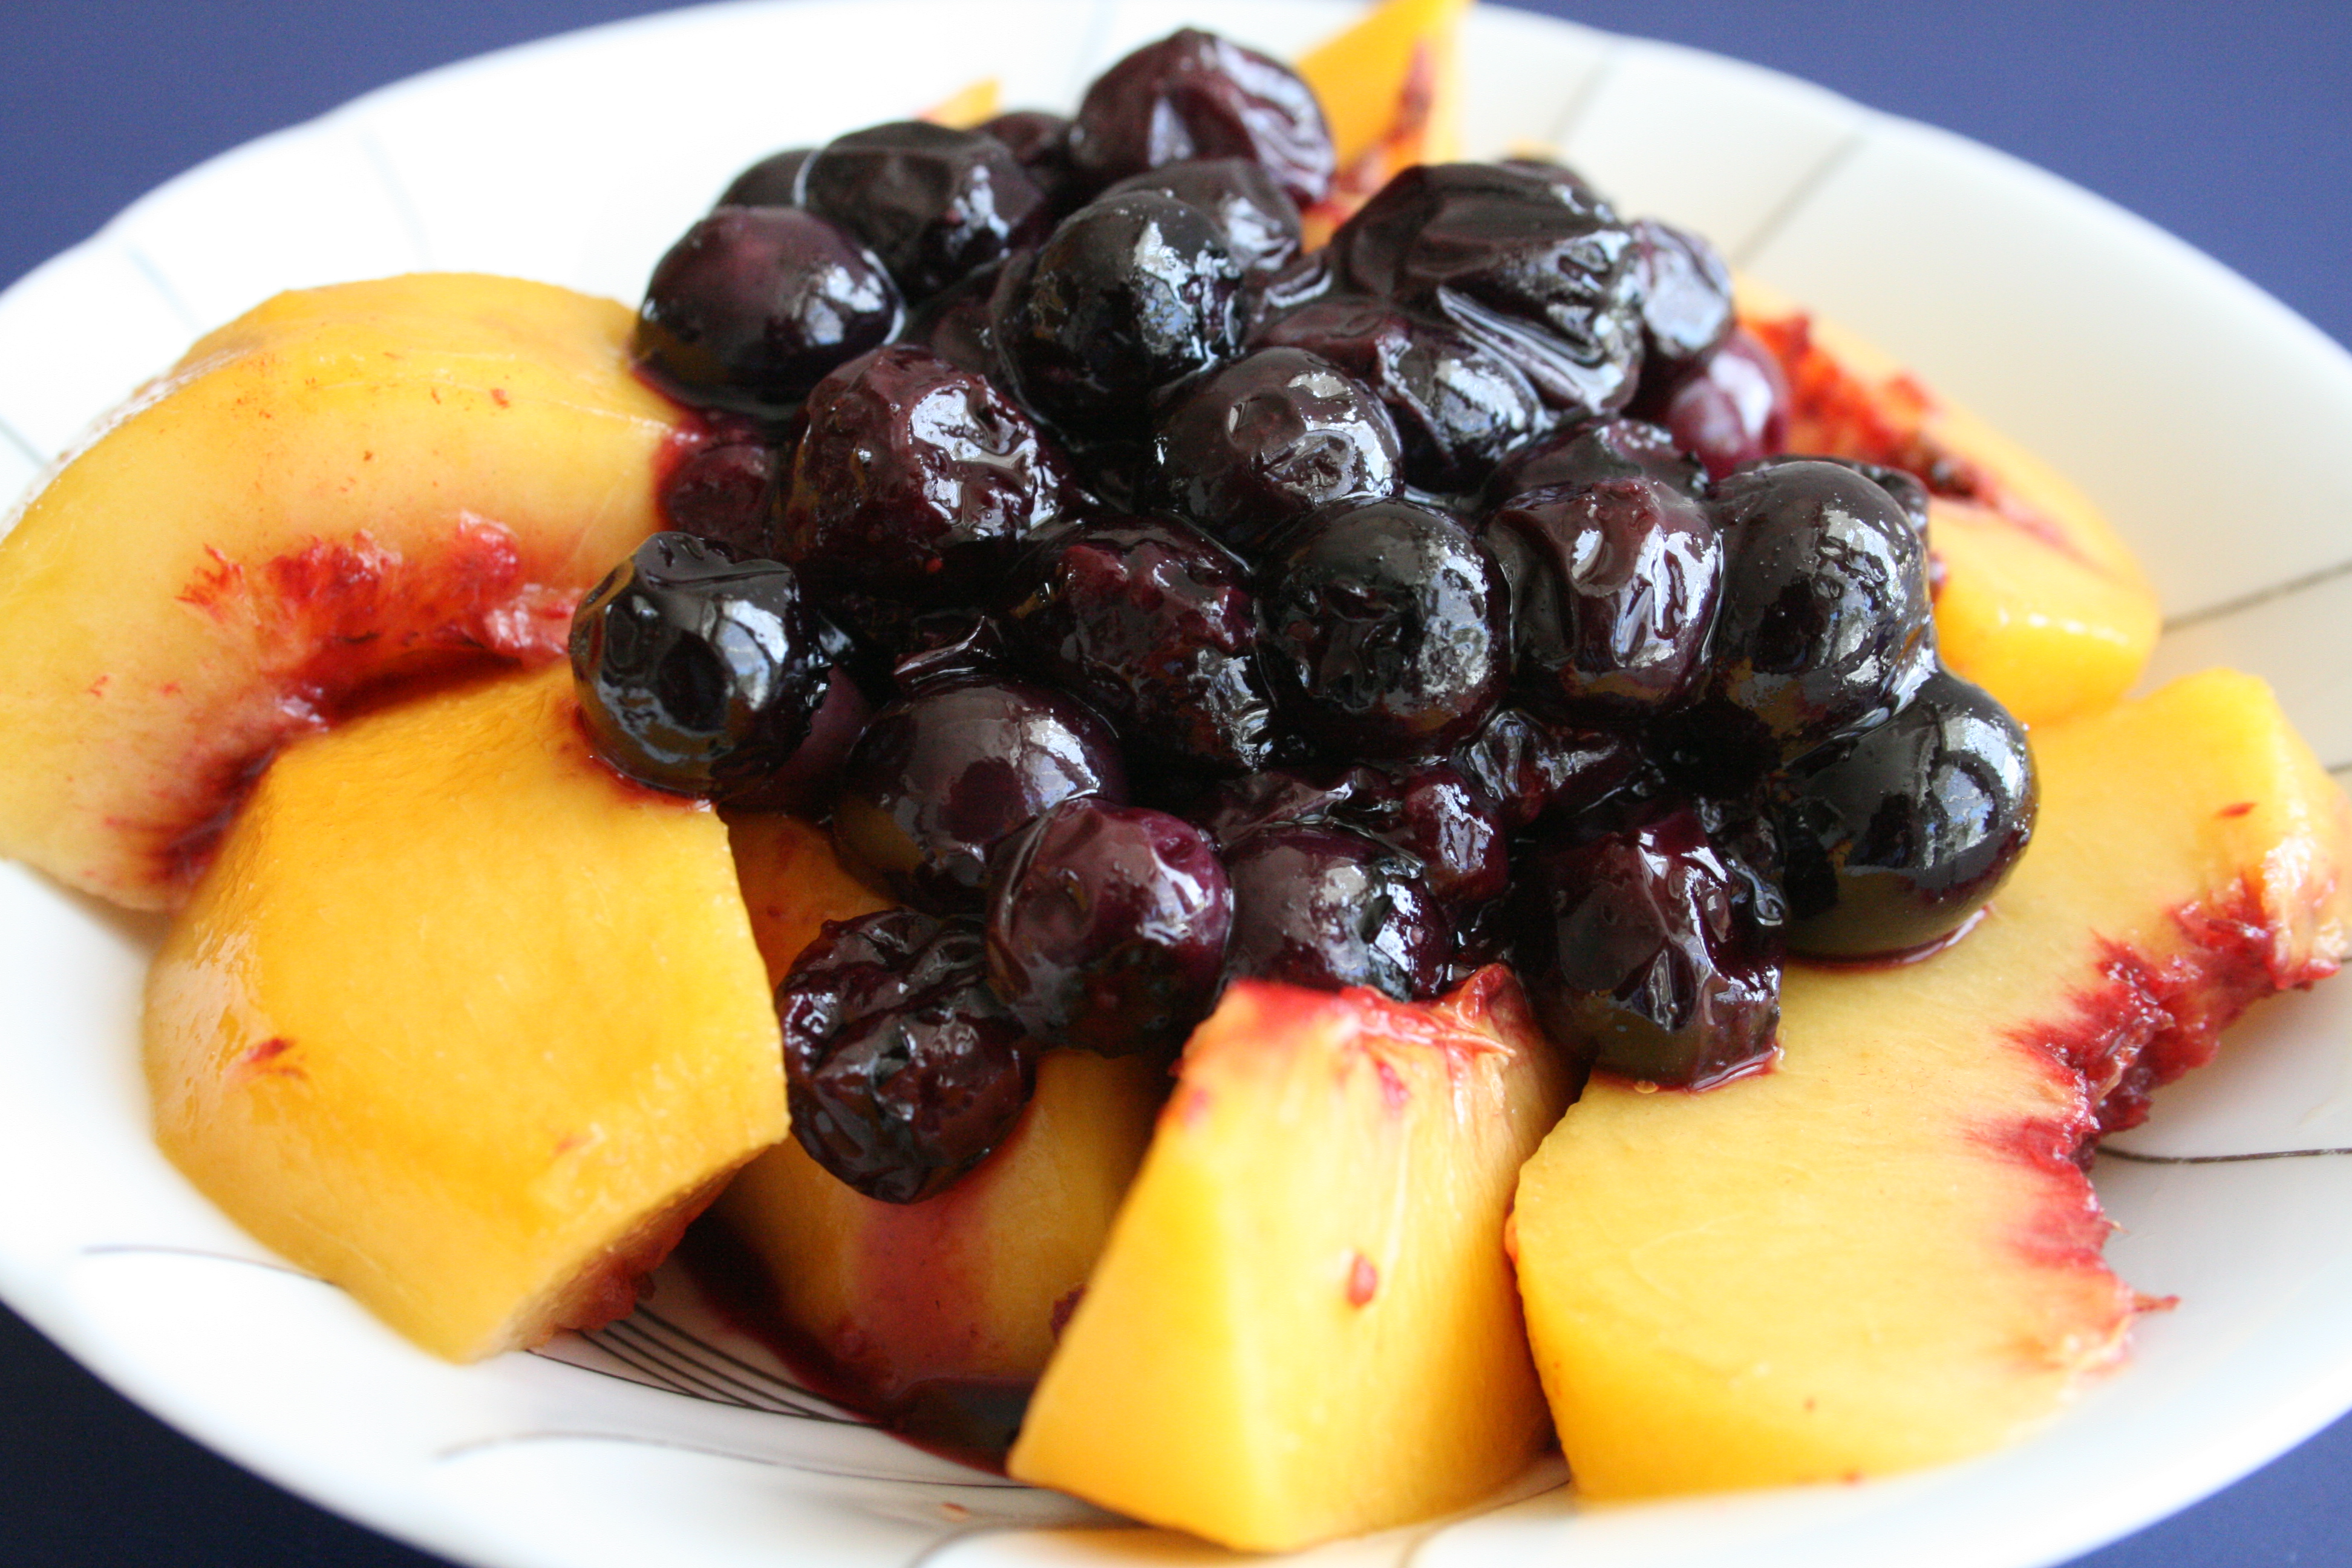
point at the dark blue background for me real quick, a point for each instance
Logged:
(2230, 126)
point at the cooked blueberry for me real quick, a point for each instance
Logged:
(1035, 137)
(1259, 222)
(1824, 625)
(1155, 625)
(1193, 95)
(773, 181)
(1257, 444)
(1130, 294)
(1731, 408)
(1587, 454)
(936, 205)
(915, 481)
(697, 672)
(1639, 958)
(1107, 928)
(755, 305)
(1459, 408)
(944, 776)
(953, 324)
(1322, 906)
(1386, 630)
(902, 1068)
(726, 491)
(1533, 767)
(1613, 591)
(1906, 490)
(1530, 268)
(1895, 836)
(1453, 829)
(1686, 298)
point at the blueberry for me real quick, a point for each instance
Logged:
(1320, 905)
(1107, 928)
(944, 776)
(1193, 95)
(697, 672)
(1895, 836)
(755, 305)
(1385, 630)
(935, 205)
(1260, 222)
(902, 1070)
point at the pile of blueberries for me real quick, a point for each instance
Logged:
(1149, 601)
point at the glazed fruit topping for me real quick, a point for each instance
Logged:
(1386, 630)
(1895, 838)
(1445, 592)
(1129, 295)
(1258, 444)
(754, 305)
(1194, 95)
(941, 777)
(1107, 928)
(1321, 905)
(935, 205)
(699, 672)
(1154, 624)
(914, 479)
(902, 1068)
(1644, 945)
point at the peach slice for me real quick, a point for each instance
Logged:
(1390, 87)
(971, 1284)
(793, 883)
(1303, 1324)
(1884, 1254)
(2039, 601)
(461, 1021)
(344, 485)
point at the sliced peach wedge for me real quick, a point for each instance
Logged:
(1303, 1325)
(1883, 1254)
(344, 485)
(461, 1021)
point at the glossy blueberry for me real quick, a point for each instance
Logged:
(936, 205)
(1529, 268)
(1904, 489)
(1895, 836)
(725, 490)
(902, 1068)
(1385, 630)
(945, 775)
(697, 672)
(1107, 928)
(1459, 408)
(914, 479)
(1129, 295)
(1824, 625)
(755, 305)
(1258, 444)
(1686, 288)
(1642, 956)
(1533, 767)
(1431, 811)
(773, 181)
(1731, 408)
(1193, 95)
(1320, 905)
(1585, 455)
(1613, 592)
(1155, 625)
(1259, 222)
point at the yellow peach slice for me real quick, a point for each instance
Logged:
(1304, 1325)
(344, 486)
(971, 1284)
(792, 884)
(2039, 600)
(1881, 1254)
(461, 1021)
(1390, 87)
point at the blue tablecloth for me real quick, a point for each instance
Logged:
(2230, 126)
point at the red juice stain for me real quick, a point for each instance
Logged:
(1363, 1280)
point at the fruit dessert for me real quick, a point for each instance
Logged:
(1316, 799)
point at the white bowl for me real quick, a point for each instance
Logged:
(569, 160)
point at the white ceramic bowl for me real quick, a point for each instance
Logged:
(569, 160)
